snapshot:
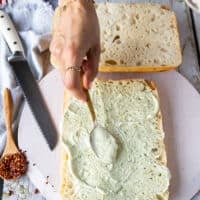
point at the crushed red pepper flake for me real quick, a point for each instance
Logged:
(22, 151)
(10, 193)
(36, 191)
(13, 165)
(47, 180)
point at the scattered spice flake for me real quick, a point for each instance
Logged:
(47, 179)
(10, 193)
(36, 191)
(22, 151)
(34, 164)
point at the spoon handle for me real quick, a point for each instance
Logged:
(90, 106)
(8, 104)
(89, 101)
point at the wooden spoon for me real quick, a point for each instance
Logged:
(13, 163)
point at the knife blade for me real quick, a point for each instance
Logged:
(27, 81)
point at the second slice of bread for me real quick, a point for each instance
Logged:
(138, 37)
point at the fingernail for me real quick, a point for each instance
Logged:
(90, 85)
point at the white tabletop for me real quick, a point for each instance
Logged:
(180, 106)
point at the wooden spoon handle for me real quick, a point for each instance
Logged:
(8, 105)
(89, 101)
(90, 106)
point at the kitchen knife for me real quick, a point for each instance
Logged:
(27, 81)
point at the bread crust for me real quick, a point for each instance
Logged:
(117, 68)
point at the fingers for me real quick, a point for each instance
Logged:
(90, 67)
(71, 55)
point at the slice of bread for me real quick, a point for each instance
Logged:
(138, 37)
(129, 110)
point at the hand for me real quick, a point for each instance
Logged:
(76, 37)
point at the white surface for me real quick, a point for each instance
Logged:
(11, 35)
(180, 104)
(31, 140)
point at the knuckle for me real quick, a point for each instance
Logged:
(72, 54)
(56, 44)
(71, 49)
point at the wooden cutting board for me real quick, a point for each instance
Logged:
(180, 105)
